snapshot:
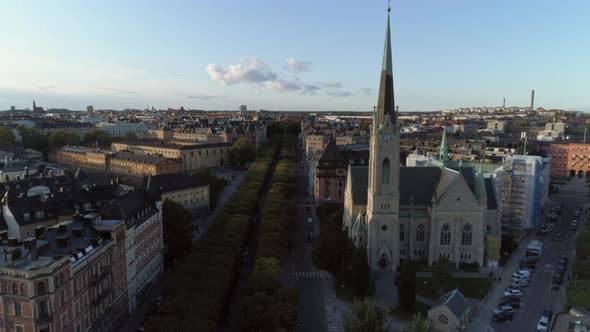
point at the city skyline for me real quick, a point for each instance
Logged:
(293, 56)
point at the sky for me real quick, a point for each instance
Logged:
(303, 55)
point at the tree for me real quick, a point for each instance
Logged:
(242, 152)
(266, 276)
(441, 271)
(367, 317)
(33, 139)
(6, 137)
(493, 244)
(178, 231)
(97, 138)
(360, 274)
(60, 138)
(216, 184)
(407, 286)
(418, 323)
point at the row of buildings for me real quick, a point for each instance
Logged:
(78, 255)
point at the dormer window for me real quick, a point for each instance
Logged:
(27, 217)
(40, 214)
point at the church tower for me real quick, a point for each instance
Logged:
(384, 169)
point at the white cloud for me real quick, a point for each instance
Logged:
(253, 70)
(298, 66)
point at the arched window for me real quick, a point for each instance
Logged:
(40, 288)
(14, 288)
(443, 319)
(385, 171)
(23, 290)
(445, 235)
(402, 233)
(420, 233)
(467, 235)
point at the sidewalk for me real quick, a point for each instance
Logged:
(133, 322)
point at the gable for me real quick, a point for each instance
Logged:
(458, 196)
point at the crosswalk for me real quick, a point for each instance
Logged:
(335, 320)
(310, 275)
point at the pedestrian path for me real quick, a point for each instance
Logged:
(310, 274)
(335, 319)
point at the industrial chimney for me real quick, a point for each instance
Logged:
(532, 99)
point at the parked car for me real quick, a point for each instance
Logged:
(543, 324)
(514, 303)
(519, 284)
(503, 308)
(503, 317)
(513, 292)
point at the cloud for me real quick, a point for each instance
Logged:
(341, 94)
(121, 91)
(367, 91)
(336, 85)
(253, 70)
(46, 88)
(310, 89)
(205, 97)
(298, 66)
(283, 85)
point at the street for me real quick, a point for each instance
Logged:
(307, 278)
(539, 294)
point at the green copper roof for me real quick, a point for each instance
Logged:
(385, 101)
(480, 185)
(386, 66)
(443, 154)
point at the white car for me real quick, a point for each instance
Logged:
(543, 324)
(512, 292)
(504, 308)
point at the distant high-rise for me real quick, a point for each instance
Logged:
(89, 108)
(13, 108)
(243, 108)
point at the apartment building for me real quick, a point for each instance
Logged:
(571, 159)
(82, 156)
(186, 190)
(192, 156)
(523, 182)
(71, 278)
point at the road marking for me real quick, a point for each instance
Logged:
(310, 275)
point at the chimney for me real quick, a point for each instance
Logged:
(39, 231)
(532, 100)
(30, 243)
(12, 242)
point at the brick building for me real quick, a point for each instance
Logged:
(569, 159)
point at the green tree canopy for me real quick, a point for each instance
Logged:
(361, 273)
(406, 286)
(367, 317)
(493, 244)
(418, 323)
(6, 137)
(33, 139)
(441, 271)
(242, 152)
(178, 231)
(97, 138)
(61, 138)
(266, 276)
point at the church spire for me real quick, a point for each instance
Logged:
(385, 103)
(480, 186)
(443, 154)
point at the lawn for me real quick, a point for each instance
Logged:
(470, 287)
(578, 294)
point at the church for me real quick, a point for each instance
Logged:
(413, 213)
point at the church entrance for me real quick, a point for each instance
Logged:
(383, 262)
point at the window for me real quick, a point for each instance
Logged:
(14, 288)
(443, 319)
(18, 309)
(402, 233)
(445, 235)
(39, 214)
(76, 308)
(27, 217)
(64, 320)
(78, 327)
(85, 300)
(420, 233)
(467, 235)
(385, 172)
(43, 309)
(19, 328)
